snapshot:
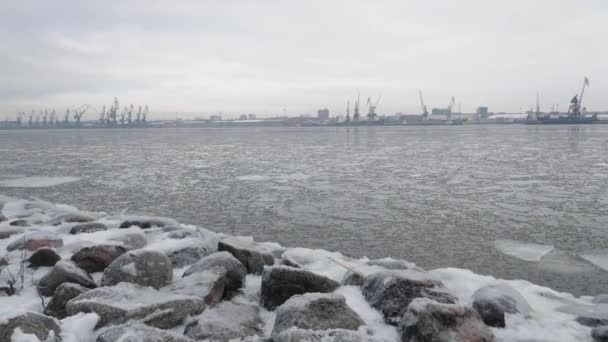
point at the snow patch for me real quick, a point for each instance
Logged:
(36, 182)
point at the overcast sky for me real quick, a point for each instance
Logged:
(243, 56)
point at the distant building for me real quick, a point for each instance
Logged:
(440, 111)
(252, 117)
(243, 117)
(323, 114)
(215, 118)
(482, 112)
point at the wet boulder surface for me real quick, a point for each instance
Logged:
(44, 257)
(279, 283)
(248, 253)
(89, 227)
(142, 267)
(392, 292)
(97, 258)
(427, 320)
(63, 294)
(492, 302)
(316, 311)
(242, 320)
(137, 332)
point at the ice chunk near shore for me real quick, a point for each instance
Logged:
(36, 182)
(526, 251)
(599, 259)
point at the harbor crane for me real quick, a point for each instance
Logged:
(356, 114)
(113, 112)
(123, 115)
(144, 115)
(138, 116)
(44, 117)
(102, 115)
(130, 115)
(53, 117)
(66, 117)
(451, 106)
(371, 115)
(347, 111)
(425, 112)
(79, 113)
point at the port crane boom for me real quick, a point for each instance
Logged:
(425, 112)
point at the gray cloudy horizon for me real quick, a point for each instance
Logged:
(266, 56)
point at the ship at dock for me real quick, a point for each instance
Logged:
(577, 114)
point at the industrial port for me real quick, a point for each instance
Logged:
(362, 114)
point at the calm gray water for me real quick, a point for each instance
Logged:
(437, 196)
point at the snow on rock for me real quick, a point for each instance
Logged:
(527, 251)
(235, 271)
(152, 268)
(64, 271)
(253, 256)
(208, 285)
(89, 227)
(79, 328)
(331, 335)
(428, 320)
(33, 241)
(279, 283)
(316, 311)
(492, 302)
(137, 332)
(226, 321)
(42, 327)
(391, 292)
(126, 301)
(7, 230)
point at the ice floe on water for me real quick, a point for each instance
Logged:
(36, 182)
(599, 259)
(527, 251)
(253, 178)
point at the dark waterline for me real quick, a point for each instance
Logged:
(437, 196)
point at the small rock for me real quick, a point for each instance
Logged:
(97, 258)
(316, 311)
(2, 217)
(235, 271)
(279, 283)
(44, 257)
(600, 334)
(19, 223)
(137, 332)
(428, 320)
(143, 267)
(64, 271)
(43, 327)
(34, 241)
(600, 299)
(248, 254)
(63, 294)
(145, 222)
(126, 301)
(493, 301)
(7, 231)
(353, 278)
(244, 321)
(392, 292)
(88, 227)
(208, 285)
(187, 256)
(134, 240)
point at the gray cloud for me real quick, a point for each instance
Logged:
(263, 56)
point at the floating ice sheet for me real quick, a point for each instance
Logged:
(36, 182)
(598, 259)
(527, 251)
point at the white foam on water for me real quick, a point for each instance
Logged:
(36, 182)
(527, 251)
(598, 259)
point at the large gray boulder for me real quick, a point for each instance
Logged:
(208, 285)
(8, 231)
(600, 334)
(126, 301)
(392, 292)
(43, 327)
(279, 283)
(493, 301)
(44, 257)
(64, 271)
(429, 321)
(248, 253)
(242, 320)
(316, 311)
(143, 267)
(235, 271)
(137, 332)
(97, 258)
(187, 256)
(89, 227)
(63, 294)
(332, 335)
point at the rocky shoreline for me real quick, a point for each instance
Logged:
(71, 275)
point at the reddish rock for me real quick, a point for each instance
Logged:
(97, 258)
